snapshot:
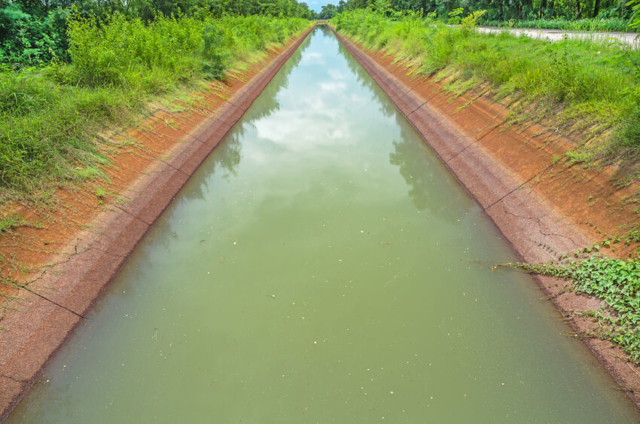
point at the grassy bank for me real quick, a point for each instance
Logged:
(592, 24)
(576, 85)
(52, 116)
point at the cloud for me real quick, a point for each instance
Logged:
(312, 58)
(333, 86)
(337, 74)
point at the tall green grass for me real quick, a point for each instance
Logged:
(591, 24)
(591, 85)
(50, 116)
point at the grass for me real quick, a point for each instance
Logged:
(577, 85)
(10, 222)
(591, 24)
(50, 117)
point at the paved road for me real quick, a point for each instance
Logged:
(630, 38)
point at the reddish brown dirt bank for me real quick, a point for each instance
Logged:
(62, 264)
(543, 206)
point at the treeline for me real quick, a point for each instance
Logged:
(496, 10)
(34, 32)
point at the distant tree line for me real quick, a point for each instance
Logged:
(35, 31)
(496, 9)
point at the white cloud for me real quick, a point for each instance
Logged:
(312, 58)
(337, 74)
(333, 86)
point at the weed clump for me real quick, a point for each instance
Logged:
(588, 24)
(615, 281)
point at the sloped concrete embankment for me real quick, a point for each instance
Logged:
(59, 300)
(543, 206)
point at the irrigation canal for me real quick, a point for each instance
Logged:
(323, 266)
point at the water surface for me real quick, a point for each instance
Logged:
(323, 266)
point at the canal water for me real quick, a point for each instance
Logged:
(323, 266)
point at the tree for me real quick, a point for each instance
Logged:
(328, 11)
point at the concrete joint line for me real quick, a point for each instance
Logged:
(491, 130)
(133, 216)
(419, 107)
(475, 143)
(172, 167)
(517, 188)
(51, 301)
(458, 154)
(423, 103)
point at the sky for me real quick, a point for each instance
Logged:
(317, 4)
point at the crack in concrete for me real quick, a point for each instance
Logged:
(558, 235)
(474, 143)
(8, 377)
(538, 220)
(55, 264)
(132, 215)
(47, 268)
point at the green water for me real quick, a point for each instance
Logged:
(323, 266)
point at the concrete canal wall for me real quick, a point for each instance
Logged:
(54, 302)
(543, 206)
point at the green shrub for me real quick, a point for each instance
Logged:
(128, 52)
(615, 281)
(32, 40)
(454, 16)
(591, 24)
(469, 22)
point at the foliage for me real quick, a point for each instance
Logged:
(615, 281)
(469, 22)
(454, 16)
(7, 223)
(635, 17)
(50, 115)
(30, 40)
(591, 24)
(606, 15)
(127, 52)
(33, 33)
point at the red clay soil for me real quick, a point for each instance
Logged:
(63, 261)
(543, 206)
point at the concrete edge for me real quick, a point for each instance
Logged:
(62, 298)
